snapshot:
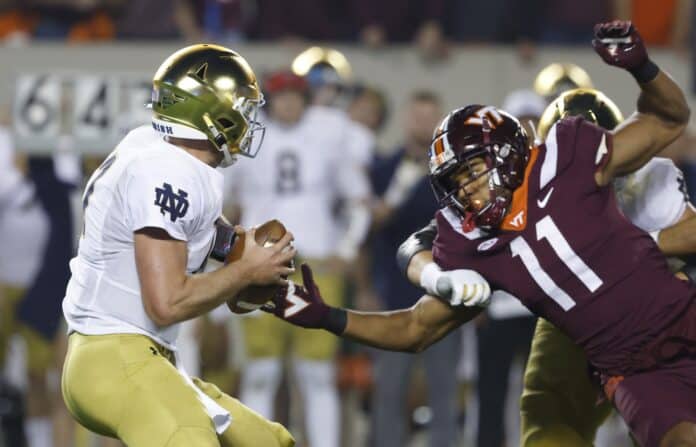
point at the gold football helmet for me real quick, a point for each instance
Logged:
(557, 77)
(315, 57)
(209, 92)
(589, 103)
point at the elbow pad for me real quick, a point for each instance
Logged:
(421, 240)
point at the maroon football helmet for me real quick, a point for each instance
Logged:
(489, 134)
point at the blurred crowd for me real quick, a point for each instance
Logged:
(431, 25)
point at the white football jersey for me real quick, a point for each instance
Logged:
(654, 197)
(298, 176)
(145, 182)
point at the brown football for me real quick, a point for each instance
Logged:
(253, 297)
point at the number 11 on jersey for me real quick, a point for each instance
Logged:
(546, 229)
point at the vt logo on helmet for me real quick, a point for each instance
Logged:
(209, 92)
(475, 145)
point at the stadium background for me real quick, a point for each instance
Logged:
(81, 45)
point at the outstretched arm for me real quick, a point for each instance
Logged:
(411, 330)
(662, 112)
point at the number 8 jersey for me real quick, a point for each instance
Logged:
(570, 255)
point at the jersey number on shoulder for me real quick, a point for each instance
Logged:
(89, 189)
(546, 229)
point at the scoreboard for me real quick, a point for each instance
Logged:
(88, 112)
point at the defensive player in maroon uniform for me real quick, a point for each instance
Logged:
(543, 224)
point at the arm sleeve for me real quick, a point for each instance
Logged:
(163, 197)
(352, 165)
(353, 185)
(360, 143)
(577, 148)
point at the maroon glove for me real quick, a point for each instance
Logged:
(619, 44)
(303, 306)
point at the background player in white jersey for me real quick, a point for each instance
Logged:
(304, 169)
(37, 238)
(149, 224)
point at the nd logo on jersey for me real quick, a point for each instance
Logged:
(169, 202)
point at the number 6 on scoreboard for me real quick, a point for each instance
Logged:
(36, 113)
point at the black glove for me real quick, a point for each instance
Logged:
(302, 305)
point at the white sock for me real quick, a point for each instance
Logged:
(317, 383)
(39, 431)
(259, 385)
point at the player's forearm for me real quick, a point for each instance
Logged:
(394, 331)
(409, 330)
(663, 98)
(203, 292)
(679, 239)
(359, 218)
(397, 330)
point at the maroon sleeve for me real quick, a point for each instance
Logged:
(449, 251)
(582, 149)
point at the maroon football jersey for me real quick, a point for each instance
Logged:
(566, 251)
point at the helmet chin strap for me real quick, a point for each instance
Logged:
(227, 158)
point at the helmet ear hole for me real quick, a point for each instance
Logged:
(226, 123)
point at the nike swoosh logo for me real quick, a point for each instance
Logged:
(542, 203)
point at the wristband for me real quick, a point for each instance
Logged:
(646, 72)
(336, 320)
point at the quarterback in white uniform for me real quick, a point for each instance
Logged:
(308, 164)
(150, 215)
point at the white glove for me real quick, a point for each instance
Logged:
(459, 287)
